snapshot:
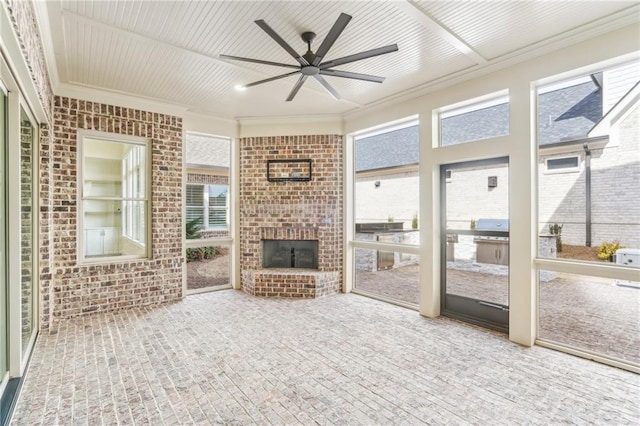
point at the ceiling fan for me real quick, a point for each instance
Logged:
(310, 64)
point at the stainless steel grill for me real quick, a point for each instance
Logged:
(492, 249)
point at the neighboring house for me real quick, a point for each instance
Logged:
(585, 155)
(589, 131)
(207, 190)
(387, 177)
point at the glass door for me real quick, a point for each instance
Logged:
(4, 375)
(475, 242)
(28, 144)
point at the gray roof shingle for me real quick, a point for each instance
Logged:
(565, 114)
(483, 123)
(391, 149)
(568, 113)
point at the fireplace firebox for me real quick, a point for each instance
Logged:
(290, 254)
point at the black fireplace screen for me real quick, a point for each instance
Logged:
(290, 254)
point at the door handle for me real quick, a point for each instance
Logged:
(493, 305)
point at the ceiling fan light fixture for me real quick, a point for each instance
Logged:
(310, 64)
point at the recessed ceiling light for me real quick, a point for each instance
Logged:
(240, 87)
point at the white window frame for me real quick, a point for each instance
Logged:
(132, 180)
(573, 169)
(207, 209)
(146, 197)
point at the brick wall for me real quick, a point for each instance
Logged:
(45, 224)
(615, 185)
(207, 179)
(79, 289)
(615, 193)
(298, 208)
(25, 26)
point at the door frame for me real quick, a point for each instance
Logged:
(485, 314)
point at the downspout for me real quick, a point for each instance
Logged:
(587, 190)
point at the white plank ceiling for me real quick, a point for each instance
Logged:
(168, 51)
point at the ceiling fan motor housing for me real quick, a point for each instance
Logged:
(310, 70)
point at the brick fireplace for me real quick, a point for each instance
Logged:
(290, 211)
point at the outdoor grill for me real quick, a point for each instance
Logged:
(492, 249)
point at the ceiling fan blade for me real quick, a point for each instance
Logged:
(334, 33)
(266, 80)
(297, 87)
(267, 29)
(328, 87)
(354, 75)
(259, 61)
(359, 56)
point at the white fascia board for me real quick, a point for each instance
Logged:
(120, 99)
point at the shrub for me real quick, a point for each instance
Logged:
(200, 253)
(472, 225)
(194, 254)
(414, 221)
(209, 252)
(191, 229)
(606, 250)
(556, 230)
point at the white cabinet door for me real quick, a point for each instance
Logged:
(111, 241)
(93, 242)
(102, 241)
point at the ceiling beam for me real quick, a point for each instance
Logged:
(437, 28)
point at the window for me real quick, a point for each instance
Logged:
(572, 311)
(562, 165)
(209, 204)
(476, 121)
(195, 204)
(115, 197)
(386, 211)
(133, 183)
(28, 158)
(588, 151)
(386, 164)
(218, 206)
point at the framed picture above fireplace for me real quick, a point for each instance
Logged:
(289, 170)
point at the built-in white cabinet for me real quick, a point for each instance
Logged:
(102, 241)
(102, 180)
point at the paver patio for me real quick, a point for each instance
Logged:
(230, 358)
(591, 314)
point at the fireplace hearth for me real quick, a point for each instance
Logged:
(290, 254)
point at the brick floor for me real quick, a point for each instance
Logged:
(586, 312)
(228, 357)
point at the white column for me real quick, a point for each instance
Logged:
(522, 215)
(429, 298)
